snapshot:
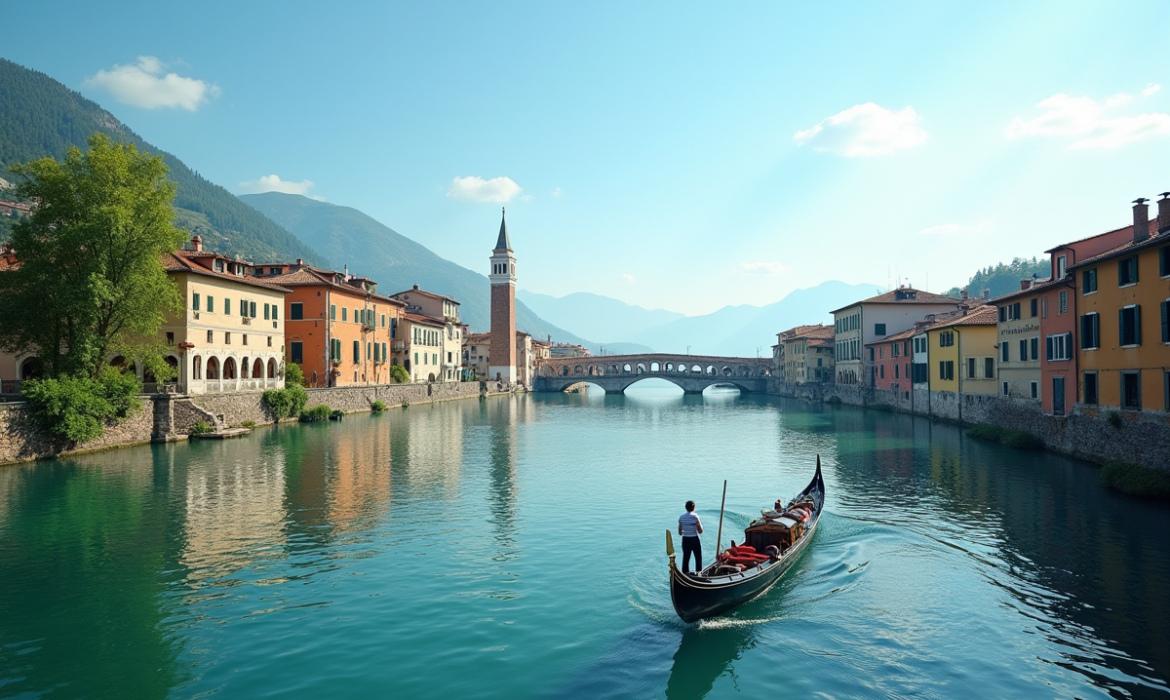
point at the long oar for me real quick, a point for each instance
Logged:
(719, 534)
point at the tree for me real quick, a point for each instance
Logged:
(399, 374)
(91, 283)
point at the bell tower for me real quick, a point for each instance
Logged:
(503, 281)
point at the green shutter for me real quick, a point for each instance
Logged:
(1121, 326)
(1165, 317)
(1137, 325)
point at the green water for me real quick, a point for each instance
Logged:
(513, 548)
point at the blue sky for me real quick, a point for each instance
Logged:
(681, 156)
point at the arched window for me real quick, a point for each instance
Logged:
(654, 367)
(197, 368)
(229, 368)
(641, 368)
(626, 368)
(272, 370)
(245, 369)
(577, 370)
(258, 368)
(32, 369)
(213, 368)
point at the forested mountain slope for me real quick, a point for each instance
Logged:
(42, 117)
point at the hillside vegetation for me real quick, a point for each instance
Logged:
(41, 117)
(1005, 278)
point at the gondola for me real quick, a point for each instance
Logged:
(778, 537)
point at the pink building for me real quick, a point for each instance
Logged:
(892, 357)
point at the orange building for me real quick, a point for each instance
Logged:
(1123, 308)
(337, 328)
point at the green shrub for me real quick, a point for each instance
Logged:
(1114, 419)
(399, 374)
(337, 414)
(377, 407)
(201, 428)
(316, 414)
(77, 408)
(294, 375)
(835, 400)
(1136, 480)
(986, 431)
(249, 424)
(1022, 440)
(405, 404)
(287, 402)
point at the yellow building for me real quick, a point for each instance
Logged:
(230, 335)
(1123, 304)
(962, 353)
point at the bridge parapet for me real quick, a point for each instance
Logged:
(691, 372)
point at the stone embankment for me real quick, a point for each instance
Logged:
(1096, 435)
(166, 417)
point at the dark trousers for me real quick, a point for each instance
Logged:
(692, 545)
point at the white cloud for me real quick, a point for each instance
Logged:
(144, 85)
(627, 278)
(951, 229)
(557, 192)
(477, 189)
(764, 268)
(865, 130)
(1091, 121)
(1151, 89)
(273, 183)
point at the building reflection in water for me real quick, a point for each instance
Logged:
(234, 509)
(1072, 558)
(503, 417)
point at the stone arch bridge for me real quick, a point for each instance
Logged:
(693, 373)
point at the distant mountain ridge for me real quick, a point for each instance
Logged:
(748, 331)
(41, 117)
(395, 262)
(596, 316)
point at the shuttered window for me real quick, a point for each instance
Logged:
(1127, 271)
(1089, 281)
(357, 352)
(227, 305)
(1166, 319)
(1129, 323)
(195, 301)
(1090, 331)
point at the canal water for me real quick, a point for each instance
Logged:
(514, 548)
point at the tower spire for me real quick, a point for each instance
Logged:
(502, 243)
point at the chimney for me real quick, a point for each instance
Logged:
(300, 262)
(1164, 212)
(986, 294)
(1141, 220)
(1025, 284)
(963, 295)
(197, 243)
(416, 287)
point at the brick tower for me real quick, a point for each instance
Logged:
(503, 280)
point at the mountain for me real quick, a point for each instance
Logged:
(596, 316)
(742, 331)
(41, 117)
(396, 262)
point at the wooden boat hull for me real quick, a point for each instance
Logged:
(696, 598)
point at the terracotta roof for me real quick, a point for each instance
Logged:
(980, 316)
(1154, 240)
(1037, 286)
(425, 293)
(423, 320)
(477, 337)
(898, 296)
(821, 342)
(189, 261)
(306, 275)
(799, 330)
(909, 333)
(1153, 230)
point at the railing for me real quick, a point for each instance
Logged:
(247, 320)
(10, 386)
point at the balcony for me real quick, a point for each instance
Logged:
(247, 320)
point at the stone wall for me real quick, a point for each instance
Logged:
(1140, 437)
(170, 417)
(21, 440)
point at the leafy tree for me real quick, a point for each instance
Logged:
(1005, 277)
(399, 374)
(91, 283)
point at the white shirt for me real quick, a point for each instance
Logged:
(690, 524)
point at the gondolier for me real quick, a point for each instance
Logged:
(690, 527)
